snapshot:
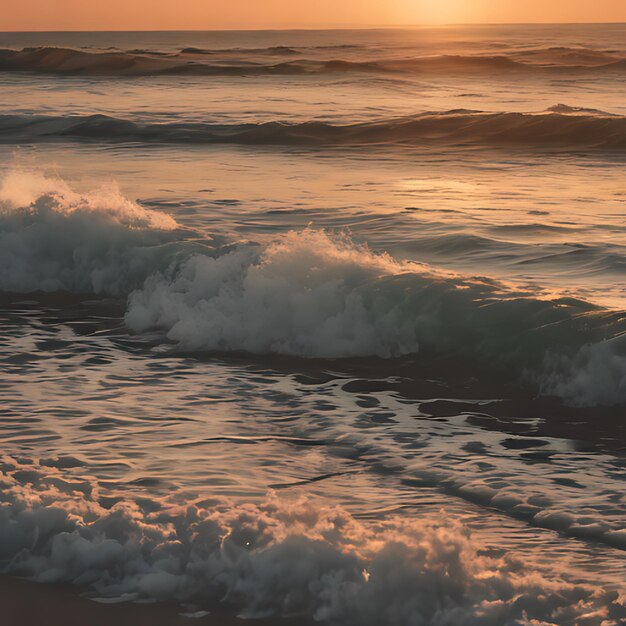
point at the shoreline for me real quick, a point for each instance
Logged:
(28, 603)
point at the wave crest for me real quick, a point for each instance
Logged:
(305, 294)
(54, 239)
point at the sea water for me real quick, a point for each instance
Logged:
(317, 323)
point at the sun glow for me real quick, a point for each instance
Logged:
(258, 14)
(488, 11)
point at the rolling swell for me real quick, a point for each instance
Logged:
(271, 50)
(307, 294)
(561, 126)
(193, 62)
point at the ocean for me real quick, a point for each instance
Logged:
(321, 325)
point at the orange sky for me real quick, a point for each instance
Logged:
(218, 14)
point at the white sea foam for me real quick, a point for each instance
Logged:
(596, 374)
(277, 558)
(306, 294)
(53, 239)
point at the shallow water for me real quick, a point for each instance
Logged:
(366, 374)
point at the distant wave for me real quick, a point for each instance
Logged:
(271, 50)
(193, 61)
(307, 294)
(561, 126)
(568, 55)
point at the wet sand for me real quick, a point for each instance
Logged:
(25, 603)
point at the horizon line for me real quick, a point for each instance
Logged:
(315, 28)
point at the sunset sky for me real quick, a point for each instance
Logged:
(213, 14)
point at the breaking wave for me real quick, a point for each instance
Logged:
(315, 295)
(291, 558)
(53, 239)
(308, 294)
(561, 126)
(193, 61)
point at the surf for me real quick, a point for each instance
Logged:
(309, 294)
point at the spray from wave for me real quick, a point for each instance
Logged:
(53, 239)
(276, 558)
(307, 294)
